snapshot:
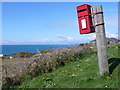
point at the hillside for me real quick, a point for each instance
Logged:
(80, 72)
(109, 40)
(23, 64)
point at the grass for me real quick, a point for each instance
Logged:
(24, 53)
(79, 73)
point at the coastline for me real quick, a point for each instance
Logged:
(43, 62)
(13, 49)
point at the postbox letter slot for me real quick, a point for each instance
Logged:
(81, 10)
(83, 22)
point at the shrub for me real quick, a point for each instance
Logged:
(23, 54)
(44, 66)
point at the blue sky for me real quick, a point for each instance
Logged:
(50, 22)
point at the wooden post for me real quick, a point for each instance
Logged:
(100, 39)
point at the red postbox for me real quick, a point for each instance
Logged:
(84, 19)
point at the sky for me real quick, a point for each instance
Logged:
(60, 0)
(51, 22)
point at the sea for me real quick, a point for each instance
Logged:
(12, 49)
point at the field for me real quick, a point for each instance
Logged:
(79, 73)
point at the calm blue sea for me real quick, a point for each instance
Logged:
(11, 49)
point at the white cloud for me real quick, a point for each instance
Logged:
(61, 39)
(40, 40)
(91, 37)
(110, 35)
(8, 41)
(80, 39)
(65, 38)
(70, 38)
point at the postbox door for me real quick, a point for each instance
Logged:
(84, 25)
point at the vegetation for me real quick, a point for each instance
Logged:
(23, 54)
(79, 71)
(46, 51)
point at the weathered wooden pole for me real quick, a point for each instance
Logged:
(100, 39)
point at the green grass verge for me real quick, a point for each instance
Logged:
(79, 73)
